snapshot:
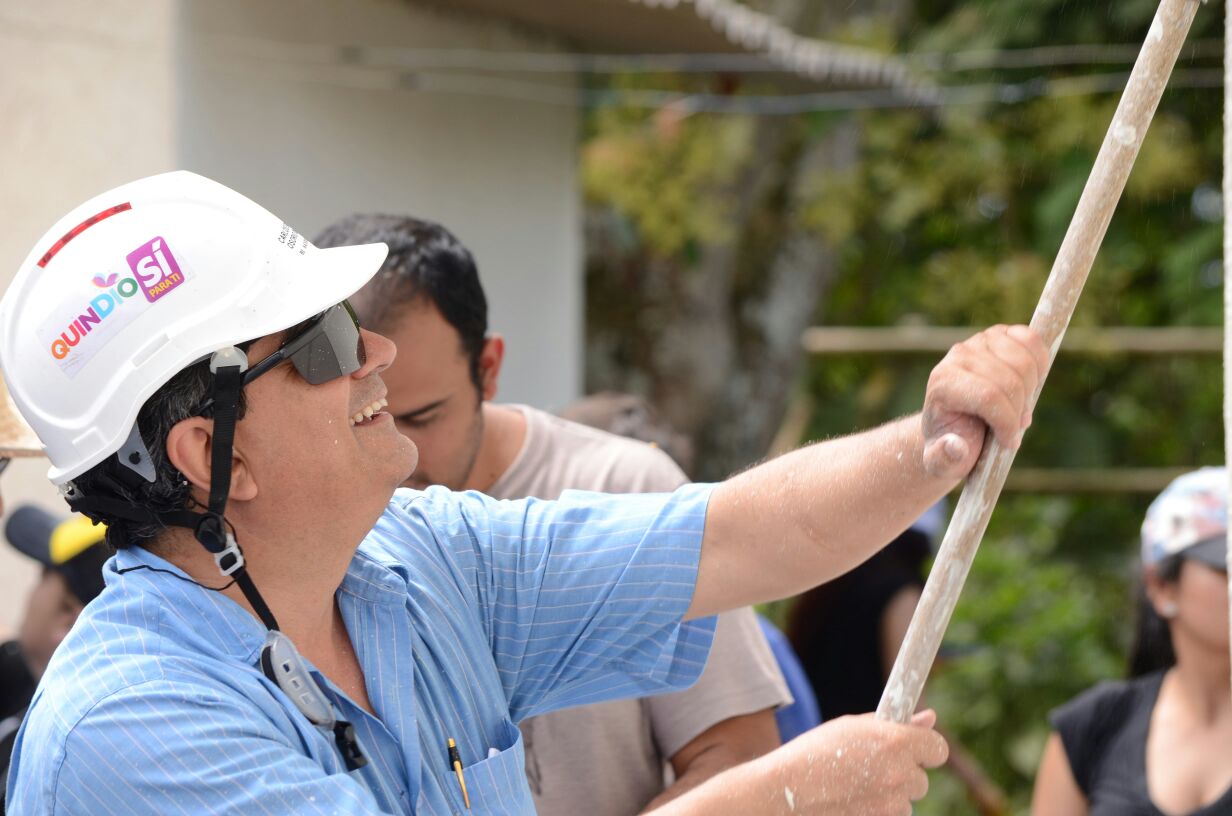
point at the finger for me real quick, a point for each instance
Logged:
(952, 446)
(950, 457)
(899, 808)
(1011, 400)
(916, 786)
(1022, 348)
(930, 749)
(925, 719)
(1034, 343)
(955, 390)
(996, 359)
(1020, 361)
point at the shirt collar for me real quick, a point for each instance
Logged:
(211, 619)
(220, 624)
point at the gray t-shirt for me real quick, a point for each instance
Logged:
(609, 759)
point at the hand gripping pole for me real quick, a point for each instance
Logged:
(1052, 316)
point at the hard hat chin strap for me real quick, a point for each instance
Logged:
(280, 661)
(211, 528)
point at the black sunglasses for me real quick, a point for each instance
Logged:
(329, 346)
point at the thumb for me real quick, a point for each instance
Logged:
(925, 719)
(948, 457)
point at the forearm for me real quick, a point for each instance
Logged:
(722, 746)
(700, 772)
(811, 515)
(732, 790)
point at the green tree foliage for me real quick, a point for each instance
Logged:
(952, 217)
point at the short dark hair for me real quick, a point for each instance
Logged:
(176, 401)
(425, 261)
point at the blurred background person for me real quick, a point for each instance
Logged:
(71, 552)
(1157, 743)
(601, 760)
(848, 632)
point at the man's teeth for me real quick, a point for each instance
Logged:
(367, 413)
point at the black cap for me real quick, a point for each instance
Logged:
(72, 546)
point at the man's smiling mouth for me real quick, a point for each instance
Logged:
(365, 415)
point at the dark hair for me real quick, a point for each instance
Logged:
(174, 402)
(425, 261)
(1152, 647)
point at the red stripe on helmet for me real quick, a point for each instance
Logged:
(80, 228)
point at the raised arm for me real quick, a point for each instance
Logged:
(813, 514)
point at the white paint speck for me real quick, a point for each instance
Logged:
(1157, 30)
(1125, 134)
(838, 754)
(791, 798)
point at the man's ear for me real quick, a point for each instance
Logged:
(490, 359)
(189, 447)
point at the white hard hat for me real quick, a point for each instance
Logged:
(135, 285)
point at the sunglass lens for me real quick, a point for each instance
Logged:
(335, 349)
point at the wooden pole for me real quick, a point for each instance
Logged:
(1227, 269)
(1052, 316)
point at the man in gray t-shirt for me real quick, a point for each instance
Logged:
(603, 760)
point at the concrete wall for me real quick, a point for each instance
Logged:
(267, 107)
(253, 94)
(86, 104)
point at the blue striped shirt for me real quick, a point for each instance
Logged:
(467, 615)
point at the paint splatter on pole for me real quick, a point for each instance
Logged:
(1056, 307)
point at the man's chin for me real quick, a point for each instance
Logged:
(410, 464)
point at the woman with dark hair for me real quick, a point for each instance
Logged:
(1158, 743)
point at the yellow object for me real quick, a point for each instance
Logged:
(457, 769)
(74, 536)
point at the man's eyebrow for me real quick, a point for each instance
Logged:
(418, 412)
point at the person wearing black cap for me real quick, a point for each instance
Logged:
(72, 553)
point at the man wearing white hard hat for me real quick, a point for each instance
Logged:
(253, 505)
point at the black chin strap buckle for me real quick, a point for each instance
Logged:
(348, 745)
(212, 532)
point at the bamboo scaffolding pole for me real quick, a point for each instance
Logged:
(1052, 315)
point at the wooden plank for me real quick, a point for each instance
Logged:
(836, 340)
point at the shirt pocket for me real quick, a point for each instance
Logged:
(497, 785)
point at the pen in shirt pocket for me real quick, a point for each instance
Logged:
(455, 762)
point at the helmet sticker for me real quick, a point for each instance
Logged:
(156, 268)
(80, 328)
